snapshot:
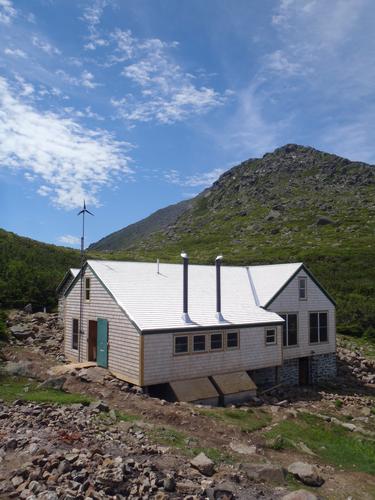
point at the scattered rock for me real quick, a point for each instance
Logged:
(56, 383)
(265, 472)
(324, 221)
(306, 473)
(202, 463)
(99, 406)
(169, 484)
(28, 309)
(243, 449)
(300, 495)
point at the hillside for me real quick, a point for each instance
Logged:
(294, 204)
(130, 235)
(30, 270)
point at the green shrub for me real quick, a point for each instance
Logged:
(338, 403)
(370, 334)
(3, 327)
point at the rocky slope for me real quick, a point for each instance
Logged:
(130, 235)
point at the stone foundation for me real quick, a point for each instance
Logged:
(289, 372)
(322, 367)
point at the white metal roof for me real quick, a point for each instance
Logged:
(71, 272)
(269, 279)
(154, 301)
(74, 271)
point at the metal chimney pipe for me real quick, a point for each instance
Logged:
(185, 314)
(218, 260)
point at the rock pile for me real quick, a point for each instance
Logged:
(39, 331)
(351, 362)
(71, 452)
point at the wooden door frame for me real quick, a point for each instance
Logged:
(92, 340)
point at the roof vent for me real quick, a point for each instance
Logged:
(185, 314)
(218, 260)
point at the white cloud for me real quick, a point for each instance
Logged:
(72, 162)
(278, 61)
(202, 179)
(163, 91)
(68, 239)
(92, 16)
(14, 52)
(86, 79)
(45, 46)
(7, 11)
(24, 88)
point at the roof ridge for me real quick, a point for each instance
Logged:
(252, 286)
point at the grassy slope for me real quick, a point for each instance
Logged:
(332, 443)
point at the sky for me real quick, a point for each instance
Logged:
(133, 105)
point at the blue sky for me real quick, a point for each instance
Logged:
(136, 104)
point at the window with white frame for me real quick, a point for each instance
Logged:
(271, 338)
(318, 327)
(302, 288)
(199, 343)
(216, 341)
(75, 328)
(87, 288)
(290, 329)
(181, 344)
(232, 340)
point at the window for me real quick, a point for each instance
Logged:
(216, 341)
(290, 329)
(87, 288)
(199, 343)
(270, 336)
(75, 334)
(318, 327)
(181, 345)
(302, 288)
(232, 340)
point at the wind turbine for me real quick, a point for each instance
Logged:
(82, 212)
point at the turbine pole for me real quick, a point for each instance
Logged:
(80, 328)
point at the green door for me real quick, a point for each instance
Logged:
(102, 346)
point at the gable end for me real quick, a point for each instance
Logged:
(311, 276)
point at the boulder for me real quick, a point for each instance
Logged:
(28, 309)
(56, 383)
(243, 449)
(273, 214)
(306, 473)
(265, 472)
(169, 484)
(21, 331)
(324, 221)
(203, 464)
(223, 491)
(99, 406)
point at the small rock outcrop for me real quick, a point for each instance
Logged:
(306, 473)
